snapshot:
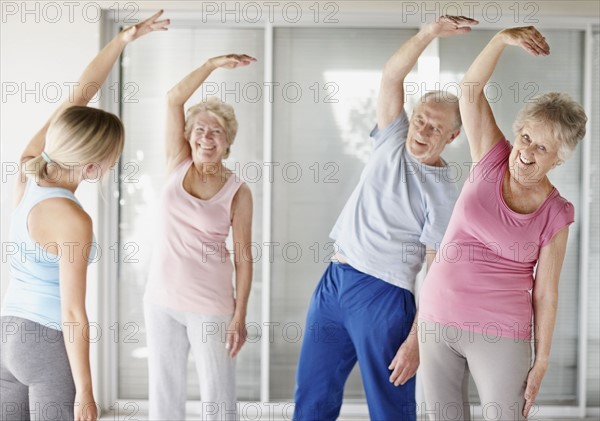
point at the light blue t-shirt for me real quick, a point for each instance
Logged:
(33, 291)
(399, 207)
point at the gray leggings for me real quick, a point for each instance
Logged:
(35, 377)
(499, 366)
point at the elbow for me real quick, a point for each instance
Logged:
(74, 314)
(545, 299)
(393, 77)
(386, 72)
(244, 267)
(26, 156)
(173, 97)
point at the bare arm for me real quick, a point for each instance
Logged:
(177, 147)
(406, 361)
(89, 83)
(478, 120)
(73, 231)
(242, 239)
(430, 255)
(391, 93)
(545, 303)
(94, 76)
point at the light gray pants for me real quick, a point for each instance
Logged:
(499, 366)
(35, 376)
(170, 335)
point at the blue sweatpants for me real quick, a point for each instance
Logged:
(354, 316)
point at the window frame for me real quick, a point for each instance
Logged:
(107, 358)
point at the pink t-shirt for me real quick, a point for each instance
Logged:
(191, 269)
(483, 274)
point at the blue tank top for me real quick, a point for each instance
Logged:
(33, 292)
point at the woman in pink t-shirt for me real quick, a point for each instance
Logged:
(189, 300)
(500, 261)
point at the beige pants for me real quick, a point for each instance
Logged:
(499, 366)
(170, 335)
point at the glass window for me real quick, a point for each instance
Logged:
(324, 133)
(150, 67)
(324, 94)
(593, 355)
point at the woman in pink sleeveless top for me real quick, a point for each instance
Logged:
(189, 300)
(499, 264)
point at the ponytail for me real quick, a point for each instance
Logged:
(37, 168)
(79, 135)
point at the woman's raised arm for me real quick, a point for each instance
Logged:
(94, 76)
(477, 116)
(177, 147)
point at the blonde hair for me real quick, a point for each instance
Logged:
(224, 114)
(79, 136)
(565, 118)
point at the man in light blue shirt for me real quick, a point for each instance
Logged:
(363, 309)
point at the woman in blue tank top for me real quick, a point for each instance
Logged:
(44, 352)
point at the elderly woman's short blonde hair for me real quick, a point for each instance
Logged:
(565, 117)
(224, 114)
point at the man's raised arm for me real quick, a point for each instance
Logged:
(391, 94)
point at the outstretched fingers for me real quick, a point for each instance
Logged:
(161, 25)
(157, 25)
(539, 42)
(451, 25)
(152, 24)
(529, 38)
(149, 25)
(231, 61)
(244, 59)
(459, 20)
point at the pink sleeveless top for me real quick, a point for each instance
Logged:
(191, 269)
(483, 273)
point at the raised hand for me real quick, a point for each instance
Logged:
(231, 61)
(528, 38)
(149, 25)
(452, 25)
